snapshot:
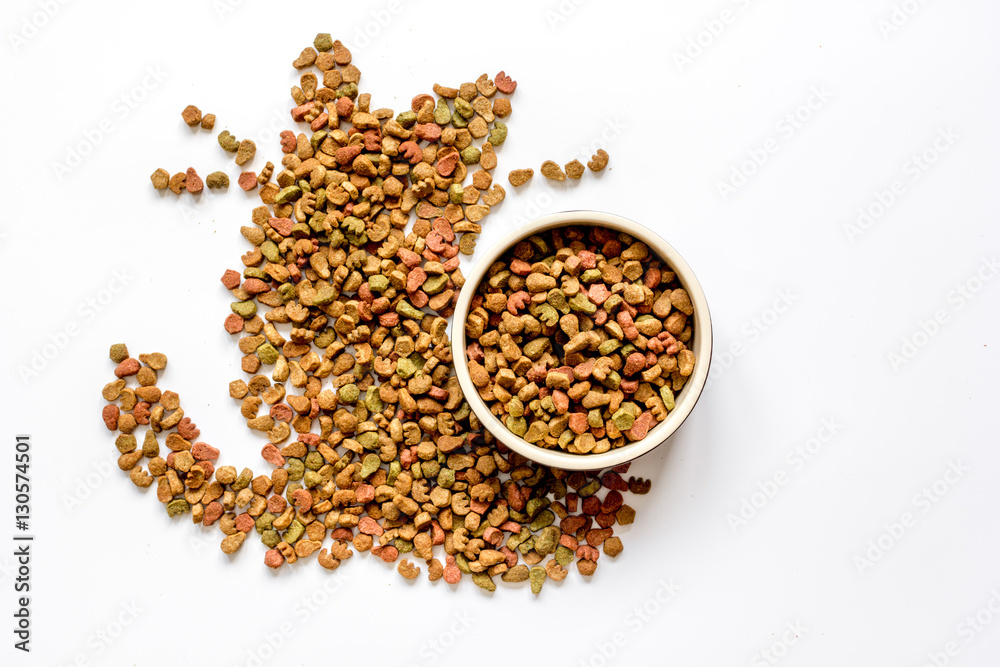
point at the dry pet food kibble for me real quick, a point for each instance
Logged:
(577, 339)
(552, 171)
(339, 313)
(191, 115)
(520, 176)
(599, 161)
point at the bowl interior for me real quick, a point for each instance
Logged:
(684, 402)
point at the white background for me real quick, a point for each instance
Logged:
(117, 583)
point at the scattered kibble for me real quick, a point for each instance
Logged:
(374, 448)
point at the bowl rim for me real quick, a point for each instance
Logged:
(692, 389)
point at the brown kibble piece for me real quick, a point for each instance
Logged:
(519, 177)
(191, 115)
(599, 160)
(160, 179)
(176, 183)
(552, 171)
(208, 121)
(574, 169)
(245, 152)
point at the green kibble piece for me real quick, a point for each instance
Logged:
(459, 121)
(544, 519)
(378, 283)
(564, 555)
(623, 419)
(594, 419)
(542, 246)
(435, 284)
(581, 304)
(547, 541)
(370, 464)
(324, 295)
(270, 538)
(217, 179)
(289, 194)
(368, 440)
(323, 42)
(263, 522)
(446, 478)
(484, 581)
(270, 251)
(267, 353)
(118, 352)
(626, 349)
(228, 141)
(463, 108)
(256, 272)
(613, 302)
(548, 315)
(515, 408)
(667, 396)
(527, 545)
(548, 405)
(245, 309)
(455, 193)
(407, 119)
(294, 531)
(405, 309)
(498, 134)
(536, 348)
(177, 506)
(590, 275)
(463, 563)
(517, 425)
(287, 292)
(536, 505)
(314, 461)
(394, 469)
(373, 401)
(312, 479)
(348, 90)
(325, 337)
(607, 347)
(407, 367)
(295, 470)
(348, 393)
(537, 578)
(442, 112)
(557, 299)
(403, 546)
(590, 489)
(470, 155)
(612, 381)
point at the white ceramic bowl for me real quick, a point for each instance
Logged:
(701, 344)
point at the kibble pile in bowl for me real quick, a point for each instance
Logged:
(577, 339)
